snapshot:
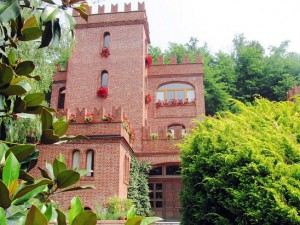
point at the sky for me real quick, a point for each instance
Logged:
(216, 22)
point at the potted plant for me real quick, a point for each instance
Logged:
(159, 103)
(148, 99)
(154, 136)
(148, 61)
(108, 118)
(102, 92)
(72, 119)
(105, 52)
(89, 118)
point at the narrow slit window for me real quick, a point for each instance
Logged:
(90, 163)
(76, 159)
(104, 79)
(106, 39)
(61, 98)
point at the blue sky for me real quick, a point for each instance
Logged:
(217, 21)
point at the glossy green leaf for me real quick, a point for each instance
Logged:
(60, 128)
(2, 103)
(29, 195)
(48, 137)
(76, 209)
(31, 29)
(56, 33)
(44, 173)
(25, 176)
(26, 115)
(85, 187)
(3, 220)
(58, 167)
(20, 105)
(28, 188)
(17, 215)
(150, 220)
(35, 217)
(82, 12)
(71, 21)
(86, 217)
(6, 74)
(34, 99)
(135, 221)
(25, 68)
(47, 35)
(34, 110)
(47, 119)
(131, 213)
(84, 172)
(61, 158)
(50, 12)
(48, 213)
(14, 90)
(9, 10)
(61, 217)
(67, 178)
(3, 149)
(22, 152)
(50, 170)
(11, 58)
(4, 196)
(11, 170)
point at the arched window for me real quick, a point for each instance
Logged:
(179, 91)
(90, 163)
(106, 39)
(104, 79)
(61, 98)
(76, 159)
(171, 129)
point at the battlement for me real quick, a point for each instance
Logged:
(187, 67)
(173, 60)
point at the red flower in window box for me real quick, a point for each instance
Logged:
(108, 118)
(102, 92)
(72, 118)
(159, 104)
(148, 99)
(89, 118)
(105, 52)
(149, 61)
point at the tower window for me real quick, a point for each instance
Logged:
(90, 163)
(61, 98)
(104, 79)
(76, 159)
(106, 39)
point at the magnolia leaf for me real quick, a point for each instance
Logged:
(20, 105)
(34, 99)
(6, 74)
(150, 220)
(86, 217)
(48, 213)
(13, 187)
(29, 195)
(135, 221)
(3, 220)
(25, 176)
(11, 170)
(22, 152)
(67, 178)
(84, 172)
(56, 32)
(58, 167)
(48, 137)
(50, 170)
(70, 21)
(131, 213)
(44, 173)
(25, 68)
(3, 149)
(34, 110)
(5, 201)
(31, 29)
(28, 188)
(61, 217)
(13, 90)
(47, 35)
(35, 217)
(85, 187)
(17, 215)
(50, 12)
(9, 10)
(76, 209)
(47, 119)
(60, 128)
(26, 115)
(16, 80)
(82, 13)
(11, 57)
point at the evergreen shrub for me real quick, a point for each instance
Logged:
(244, 167)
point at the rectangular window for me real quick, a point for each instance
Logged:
(180, 95)
(190, 94)
(170, 95)
(160, 96)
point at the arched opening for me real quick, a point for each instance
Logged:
(61, 98)
(171, 129)
(179, 91)
(104, 78)
(76, 160)
(106, 39)
(90, 163)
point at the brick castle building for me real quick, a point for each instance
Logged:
(158, 126)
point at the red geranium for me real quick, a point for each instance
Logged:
(102, 92)
(105, 52)
(148, 99)
(148, 61)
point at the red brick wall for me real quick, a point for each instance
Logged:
(107, 172)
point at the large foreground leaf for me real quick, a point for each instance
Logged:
(9, 10)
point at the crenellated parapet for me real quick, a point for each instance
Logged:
(98, 114)
(187, 66)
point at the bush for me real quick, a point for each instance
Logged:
(244, 168)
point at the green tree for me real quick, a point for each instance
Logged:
(243, 168)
